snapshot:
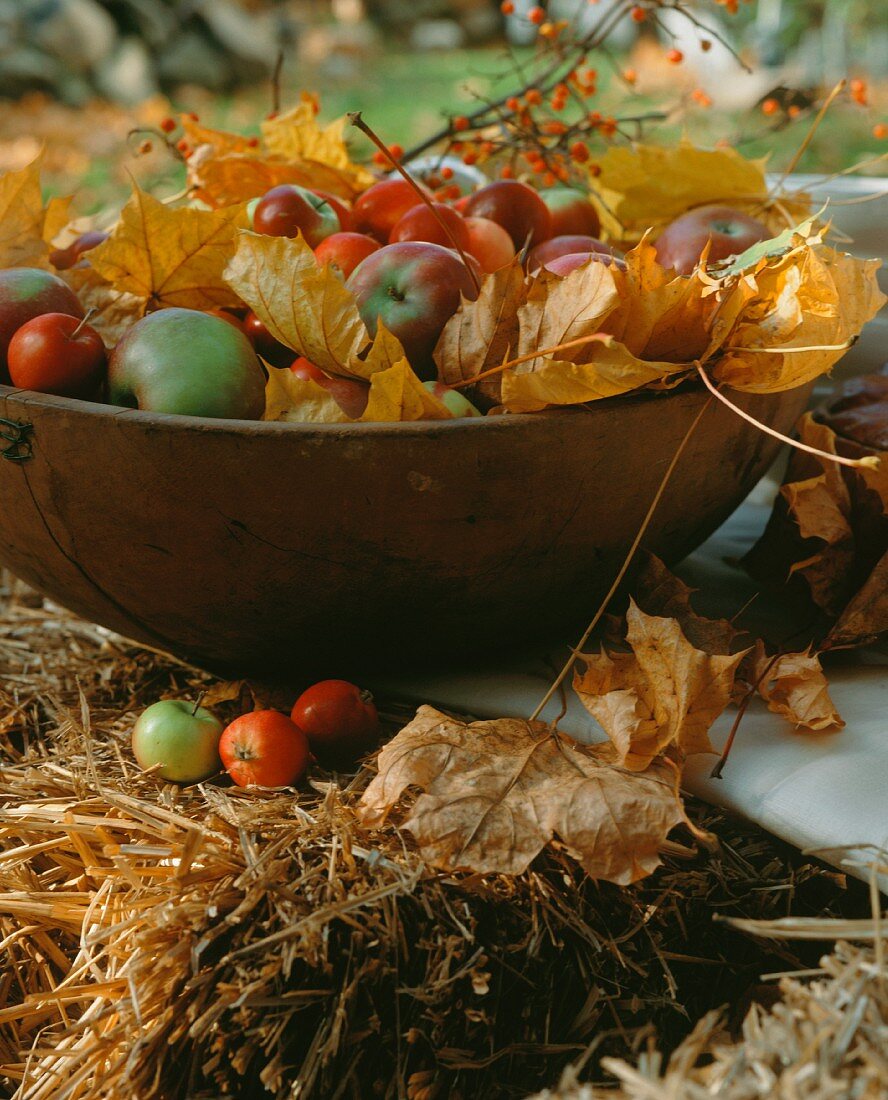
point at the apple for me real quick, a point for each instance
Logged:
(288, 210)
(340, 206)
(271, 350)
(26, 292)
(572, 212)
(188, 362)
(489, 243)
(680, 245)
(379, 209)
(564, 265)
(516, 207)
(181, 738)
(57, 353)
(230, 317)
(265, 748)
(339, 720)
(414, 288)
(64, 258)
(452, 399)
(350, 394)
(421, 224)
(344, 251)
(562, 246)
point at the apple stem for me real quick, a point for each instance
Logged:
(869, 461)
(197, 703)
(84, 321)
(627, 561)
(355, 119)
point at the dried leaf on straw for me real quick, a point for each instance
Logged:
(664, 693)
(170, 256)
(496, 793)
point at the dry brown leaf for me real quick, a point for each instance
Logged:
(664, 693)
(305, 307)
(659, 592)
(22, 218)
(170, 256)
(795, 687)
(483, 333)
(497, 792)
(865, 617)
(114, 311)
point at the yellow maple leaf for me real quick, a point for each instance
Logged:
(170, 256)
(297, 137)
(23, 218)
(664, 693)
(496, 793)
(647, 186)
(397, 394)
(299, 400)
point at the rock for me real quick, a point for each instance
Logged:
(127, 74)
(78, 32)
(25, 70)
(191, 58)
(253, 36)
(436, 34)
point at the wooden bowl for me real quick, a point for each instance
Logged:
(330, 549)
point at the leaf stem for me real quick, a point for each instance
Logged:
(870, 461)
(579, 342)
(627, 561)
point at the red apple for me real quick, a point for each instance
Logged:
(516, 207)
(420, 224)
(26, 292)
(64, 258)
(731, 232)
(562, 246)
(350, 394)
(264, 748)
(57, 353)
(340, 206)
(452, 399)
(270, 349)
(414, 288)
(344, 251)
(382, 206)
(489, 243)
(564, 265)
(572, 212)
(288, 210)
(231, 318)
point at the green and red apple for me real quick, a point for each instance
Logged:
(681, 244)
(28, 292)
(188, 362)
(178, 739)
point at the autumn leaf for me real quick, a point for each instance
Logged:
(664, 693)
(482, 334)
(643, 186)
(496, 793)
(397, 394)
(170, 256)
(795, 687)
(297, 137)
(112, 311)
(299, 400)
(23, 218)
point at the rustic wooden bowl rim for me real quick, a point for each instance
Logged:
(280, 427)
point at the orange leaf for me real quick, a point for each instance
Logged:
(794, 686)
(496, 793)
(23, 218)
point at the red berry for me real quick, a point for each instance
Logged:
(460, 122)
(507, 7)
(770, 107)
(880, 131)
(639, 15)
(536, 16)
(675, 57)
(167, 125)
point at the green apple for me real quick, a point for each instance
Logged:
(188, 362)
(452, 399)
(182, 739)
(26, 293)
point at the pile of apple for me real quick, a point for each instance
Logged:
(407, 256)
(334, 721)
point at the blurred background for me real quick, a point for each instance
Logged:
(76, 76)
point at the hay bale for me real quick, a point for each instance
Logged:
(207, 942)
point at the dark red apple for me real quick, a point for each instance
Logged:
(341, 207)
(421, 224)
(414, 288)
(564, 265)
(270, 349)
(27, 292)
(516, 207)
(349, 394)
(681, 243)
(382, 206)
(562, 246)
(57, 353)
(288, 210)
(572, 212)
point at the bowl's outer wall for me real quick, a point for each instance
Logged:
(330, 550)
